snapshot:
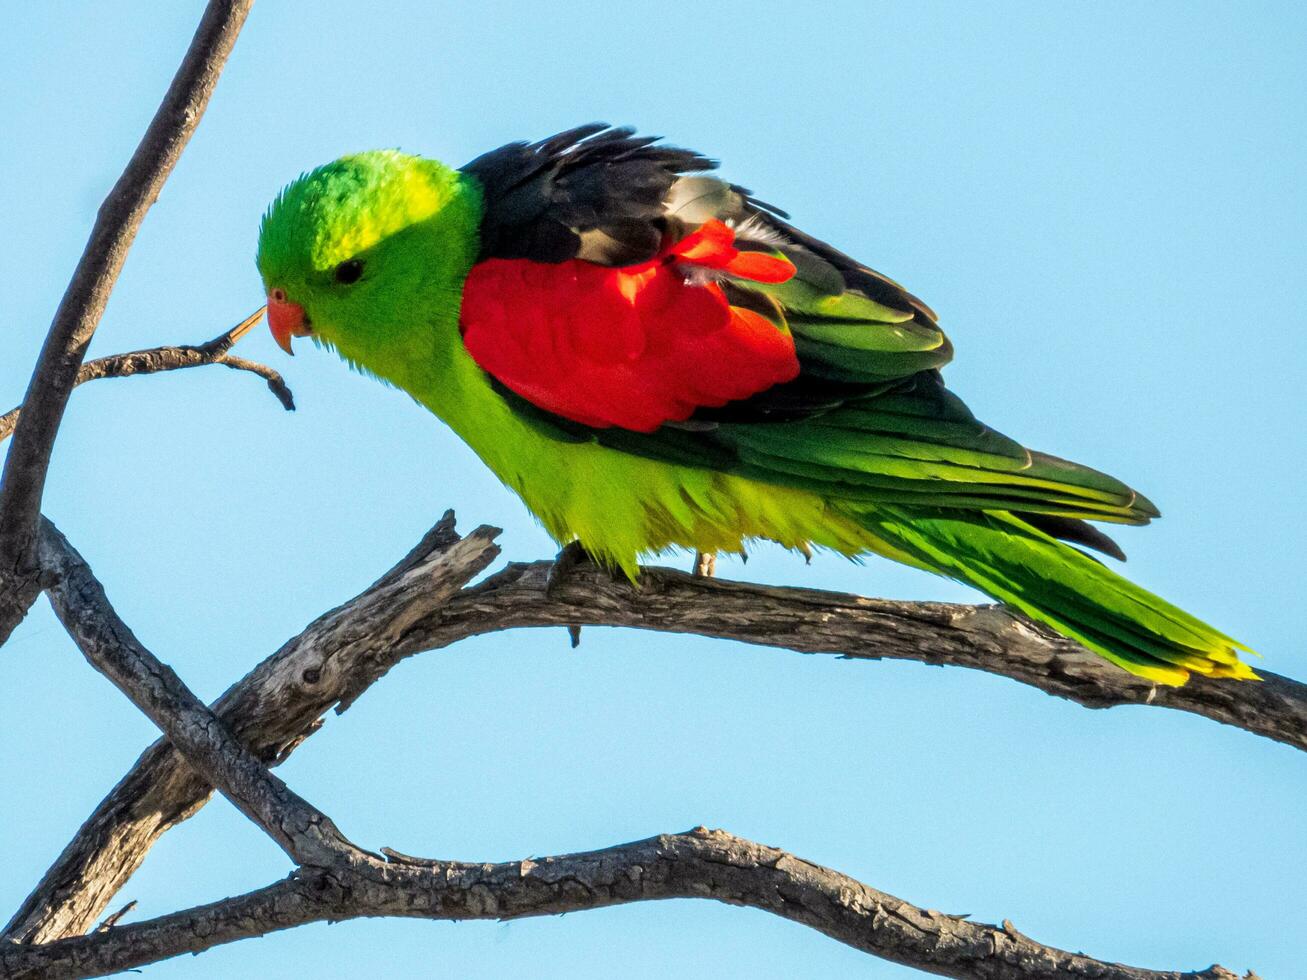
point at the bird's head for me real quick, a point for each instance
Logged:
(358, 252)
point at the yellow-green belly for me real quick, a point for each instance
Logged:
(620, 506)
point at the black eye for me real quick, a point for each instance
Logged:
(349, 271)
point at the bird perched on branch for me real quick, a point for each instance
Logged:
(650, 357)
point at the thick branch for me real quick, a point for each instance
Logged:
(83, 303)
(109, 645)
(278, 705)
(988, 638)
(270, 711)
(698, 864)
(156, 359)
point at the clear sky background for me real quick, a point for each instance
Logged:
(1105, 203)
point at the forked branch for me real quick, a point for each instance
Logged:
(337, 880)
(274, 708)
(699, 864)
(419, 605)
(175, 358)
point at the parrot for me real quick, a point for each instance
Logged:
(652, 358)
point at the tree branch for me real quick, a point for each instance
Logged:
(280, 703)
(156, 359)
(23, 479)
(414, 607)
(79, 600)
(700, 864)
(987, 637)
(274, 708)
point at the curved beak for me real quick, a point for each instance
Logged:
(285, 320)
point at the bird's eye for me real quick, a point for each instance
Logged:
(349, 271)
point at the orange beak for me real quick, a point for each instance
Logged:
(285, 319)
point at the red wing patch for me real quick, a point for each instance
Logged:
(631, 347)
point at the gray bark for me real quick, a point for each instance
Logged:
(419, 605)
(700, 863)
(174, 358)
(274, 708)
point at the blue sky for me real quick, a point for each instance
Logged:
(1105, 203)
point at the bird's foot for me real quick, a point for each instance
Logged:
(572, 556)
(705, 564)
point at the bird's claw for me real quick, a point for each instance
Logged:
(572, 556)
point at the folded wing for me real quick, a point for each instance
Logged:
(628, 298)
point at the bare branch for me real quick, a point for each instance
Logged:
(414, 607)
(114, 918)
(23, 480)
(302, 831)
(274, 708)
(335, 659)
(276, 383)
(156, 359)
(989, 638)
(700, 863)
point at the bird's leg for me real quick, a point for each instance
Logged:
(705, 564)
(572, 555)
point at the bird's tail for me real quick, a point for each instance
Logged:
(1054, 583)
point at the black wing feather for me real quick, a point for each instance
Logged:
(592, 192)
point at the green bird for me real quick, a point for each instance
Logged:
(651, 357)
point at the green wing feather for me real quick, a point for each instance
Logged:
(869, 426)
(1015, 563)
(901, 437)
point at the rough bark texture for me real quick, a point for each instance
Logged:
(281, 702)
(418, 606)
(109, 645)
(157, 359)
(989, 638)
(271, 710)
(23, 480)
(697, 864)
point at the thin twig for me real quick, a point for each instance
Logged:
(276, 384)
(157, 359)
(79, 312)
(114, 918)
(700, 863)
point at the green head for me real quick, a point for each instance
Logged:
(364, 254)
